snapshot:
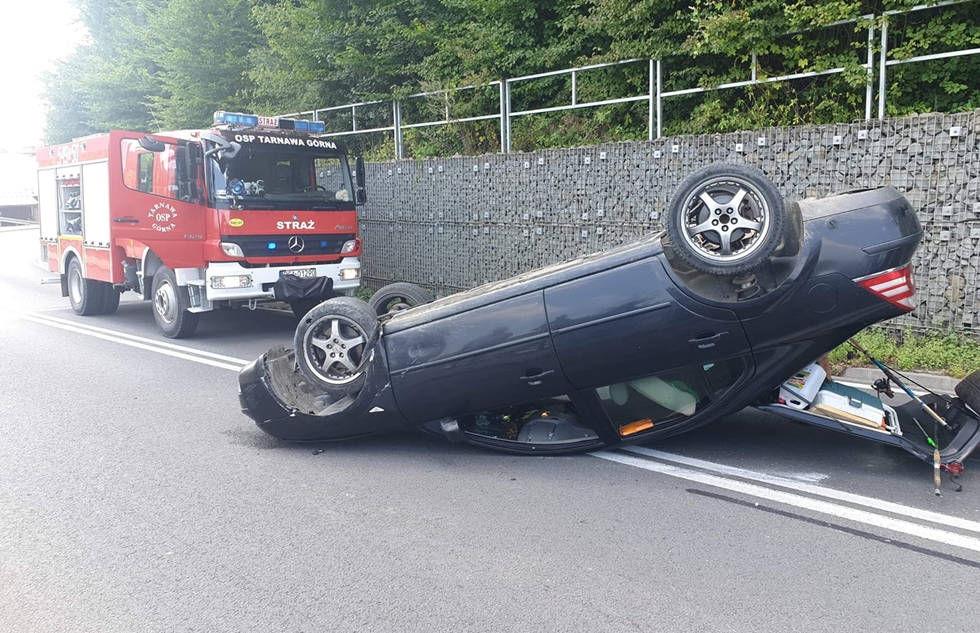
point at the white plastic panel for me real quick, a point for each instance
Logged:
(47, 203)
(95, 202)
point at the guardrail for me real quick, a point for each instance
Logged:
(654, 95)
(17, 222)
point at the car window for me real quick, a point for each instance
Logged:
(641, 403)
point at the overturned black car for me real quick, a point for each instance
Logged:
(728, 309)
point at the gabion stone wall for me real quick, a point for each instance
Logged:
(454, 223)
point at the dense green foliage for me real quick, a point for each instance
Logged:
(164, 64)
(944, 352)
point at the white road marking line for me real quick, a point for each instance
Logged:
(117, 339)
(778, 496)
(830, 493)
(74, 326)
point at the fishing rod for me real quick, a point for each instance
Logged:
(890, 375)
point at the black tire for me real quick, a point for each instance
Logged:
(170, 304)
(87, 296)
(721, 238)
(968, 390)
(397, 297)
(330, 344)
(111, 299)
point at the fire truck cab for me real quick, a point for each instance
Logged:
(255, 209)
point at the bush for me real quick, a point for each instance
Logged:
(943, 352)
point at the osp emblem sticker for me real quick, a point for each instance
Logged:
(236, 222)
(164, 217)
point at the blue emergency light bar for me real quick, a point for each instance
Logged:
(252, 120)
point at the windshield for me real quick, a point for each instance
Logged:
(280, 178)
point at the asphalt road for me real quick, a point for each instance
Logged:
(135, 497)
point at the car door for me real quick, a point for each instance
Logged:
(471, 360)
(632, 321)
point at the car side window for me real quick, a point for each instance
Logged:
(641, 403)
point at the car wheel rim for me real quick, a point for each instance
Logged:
(75, 286)
(335, 345)
(726, 220)
(165, 302)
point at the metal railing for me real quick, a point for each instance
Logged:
(885, 62)
(16, 222)
(654, 95)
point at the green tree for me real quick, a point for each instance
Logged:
(201, 48)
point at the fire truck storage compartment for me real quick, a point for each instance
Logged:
(47, 203)
(74, 200)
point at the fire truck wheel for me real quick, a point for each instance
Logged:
(87, 296)
(111, 299)
(331, 343)
(170, 303)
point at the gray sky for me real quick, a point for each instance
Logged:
(33, 34)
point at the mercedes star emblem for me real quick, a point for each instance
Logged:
(296, 244)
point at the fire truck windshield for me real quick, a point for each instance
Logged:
(273, 177)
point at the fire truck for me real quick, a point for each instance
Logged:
(255, 209)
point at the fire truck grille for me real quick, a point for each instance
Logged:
(279, 244)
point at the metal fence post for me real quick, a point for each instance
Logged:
(869, 93)
(399, 140)
(883, 67)
(660, 105)
(505, 116)
(650, 101)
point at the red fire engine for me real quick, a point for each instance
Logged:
(254, 209)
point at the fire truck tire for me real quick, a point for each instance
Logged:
(111, 303)
(87, 296)
(170, 304)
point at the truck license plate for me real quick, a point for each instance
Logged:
(300, 272)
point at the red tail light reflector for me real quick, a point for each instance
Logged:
(895, 286)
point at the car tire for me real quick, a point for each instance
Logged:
(968, 390)
(331, 342)
(111, 299)
(86, 295)
(710, 234)
(170, 304)
(397, 297)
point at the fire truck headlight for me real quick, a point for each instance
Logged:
(231, 281)
(350, 273)
(232, 250)
(349, 246)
